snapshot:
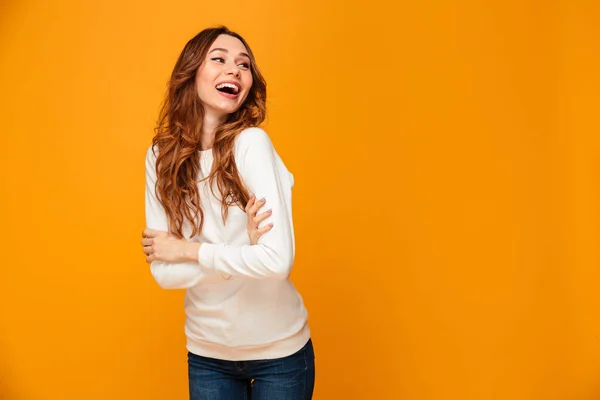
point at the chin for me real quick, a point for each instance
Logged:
(229, 109)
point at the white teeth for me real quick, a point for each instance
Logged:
(229, 85)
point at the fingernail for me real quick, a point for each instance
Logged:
(263, 199)
(271, 224)
(269, 211)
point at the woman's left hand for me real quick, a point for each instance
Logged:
(161, 246)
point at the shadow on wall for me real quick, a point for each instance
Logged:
(9, 12)
(8, 390)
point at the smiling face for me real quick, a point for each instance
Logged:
(224, 78)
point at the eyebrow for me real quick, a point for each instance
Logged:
(227, 51)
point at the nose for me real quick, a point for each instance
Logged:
(235, 71)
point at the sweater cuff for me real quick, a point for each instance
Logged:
(206, 256)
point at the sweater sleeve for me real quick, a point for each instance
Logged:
(168, 275)
(273, 256)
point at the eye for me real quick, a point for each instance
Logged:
(245, 65)
(218, 59)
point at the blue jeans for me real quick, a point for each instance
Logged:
(286, 378)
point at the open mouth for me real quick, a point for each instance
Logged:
(228, 88)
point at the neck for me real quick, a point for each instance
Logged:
(210, 123)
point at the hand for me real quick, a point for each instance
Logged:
(161, 246)
(254, 233)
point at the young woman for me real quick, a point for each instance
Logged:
(207, 232)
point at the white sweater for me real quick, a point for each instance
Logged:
(240, 303)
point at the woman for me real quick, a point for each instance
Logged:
(246, 325)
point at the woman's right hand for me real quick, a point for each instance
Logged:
(254, 232)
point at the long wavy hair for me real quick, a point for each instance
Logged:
(177, 138)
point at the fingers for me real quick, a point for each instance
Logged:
(257, 233)
(256, 206)
(148, 242)
(264, 229)
(250, 203)
(150, 233)
(259, 218)
(147, 233)
(147, 250)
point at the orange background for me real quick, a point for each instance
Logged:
(446, 198)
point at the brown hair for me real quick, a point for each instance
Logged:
(178, 138)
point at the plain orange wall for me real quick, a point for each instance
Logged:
(446, 199)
